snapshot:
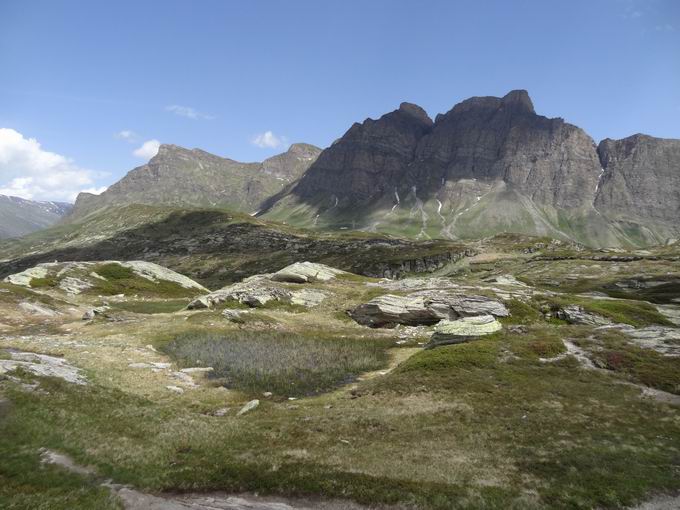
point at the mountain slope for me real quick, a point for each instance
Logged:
(19, 217)
(181, 177)
(489, 165)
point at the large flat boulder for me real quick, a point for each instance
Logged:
(303, 272)
(425, 308)
(462, 330)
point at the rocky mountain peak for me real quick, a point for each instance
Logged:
(416, 111)
(519, 100)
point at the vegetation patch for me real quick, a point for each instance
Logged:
(283, 363)
(123, 280)
(635, 313)
(152, 307)
(46, 282)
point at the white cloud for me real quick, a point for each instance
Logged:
(187, 111)
(96, 191)
(28, 171)
(147, 150)
(268, 140)
(127, 135)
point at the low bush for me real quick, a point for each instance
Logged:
(284, 363)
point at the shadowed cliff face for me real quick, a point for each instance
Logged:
(489, 165)
(370, 159)
(486, 138)
(641, 179)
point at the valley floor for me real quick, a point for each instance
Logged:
(549, 412)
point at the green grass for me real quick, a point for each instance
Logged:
(614, 351)
(123, 280)
(635, 313)
(46, 282)
(115, 272)
(152, 307)
(284, 363)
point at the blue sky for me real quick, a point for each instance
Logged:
(223, 75)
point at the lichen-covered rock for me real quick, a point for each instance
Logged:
(303, 272)
(463, 330)
(425, 307)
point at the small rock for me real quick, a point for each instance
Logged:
(175, 389)
(192, 370)
(221, 412)
(267, 394)
(94, 312)
(248, 407)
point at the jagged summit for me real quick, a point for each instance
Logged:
(416, 111)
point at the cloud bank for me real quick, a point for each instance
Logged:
(28, 171)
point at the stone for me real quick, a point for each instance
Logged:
(256, 291)
(95, 312)
(175, 389)
(303, 272)
(575, 314)
(194, 370)
(248, 407)
(233, 315)
(463, 330)
(424, 307)
(307, 297)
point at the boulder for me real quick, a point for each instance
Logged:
(463, 330)
(94, 312)
(424, 308)
(248, 407)
(575, 314)
(303, 272)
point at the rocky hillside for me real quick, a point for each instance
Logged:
(182, 177)
(215, 247)
(489, 165)
(19, 217)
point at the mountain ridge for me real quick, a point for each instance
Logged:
(19, 216)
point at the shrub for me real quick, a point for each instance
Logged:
(115, 272)
(283, 363)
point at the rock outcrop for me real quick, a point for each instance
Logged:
(256, 291)
(78, 277)
(425, 307)
(304, 272)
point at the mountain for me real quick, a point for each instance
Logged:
(641, 182)
(19, 217)
(182, 177)
(487, 166)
